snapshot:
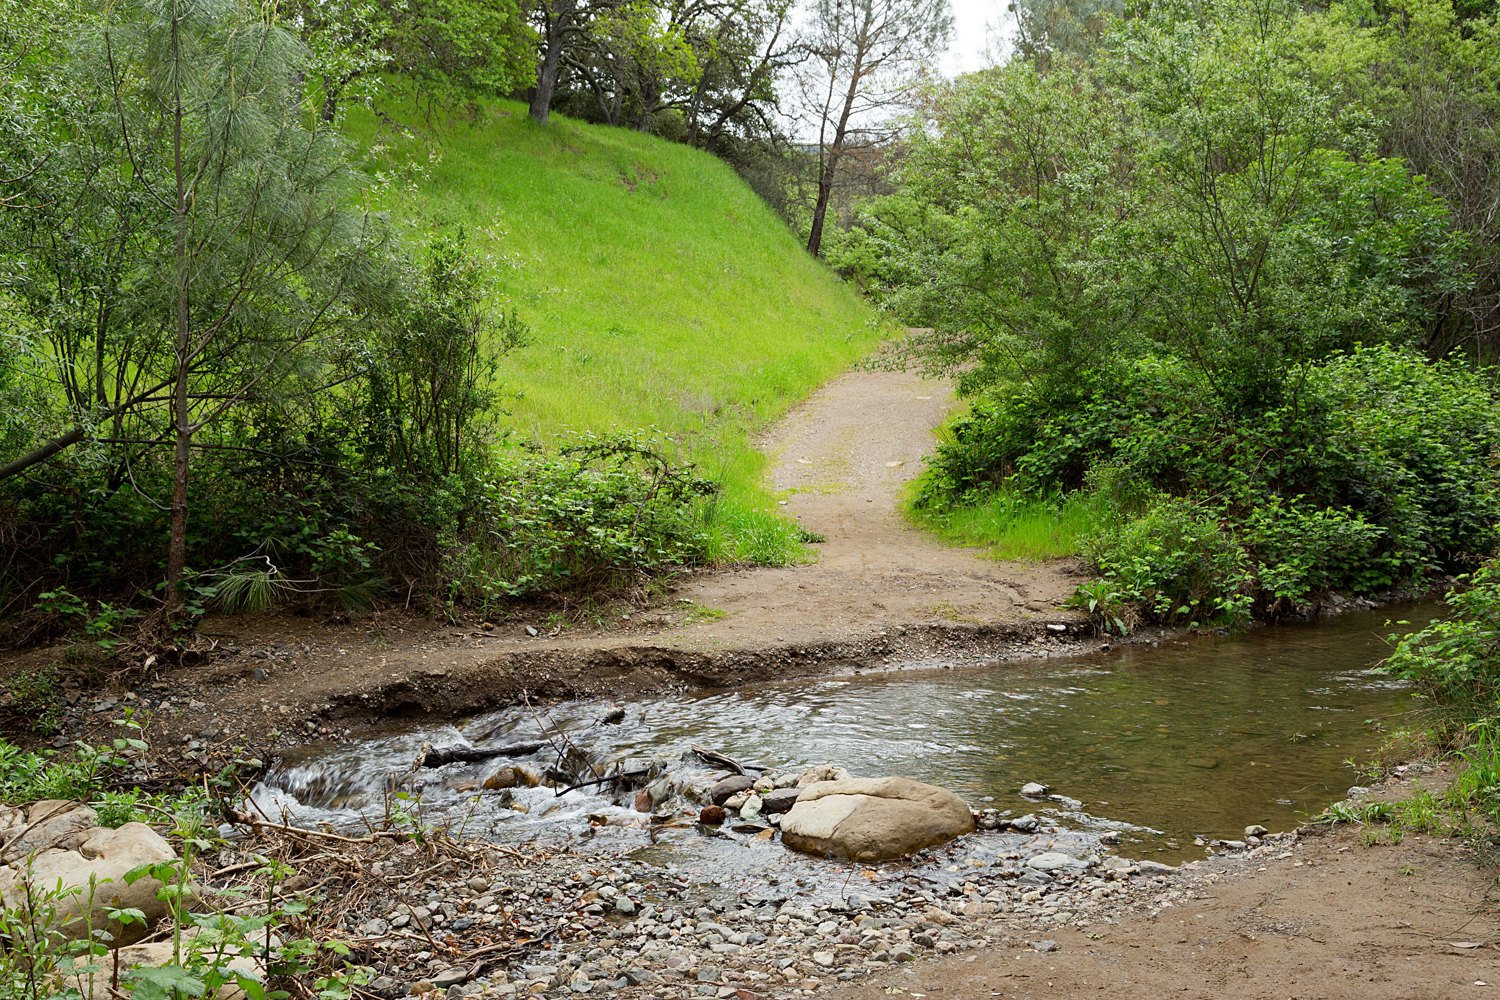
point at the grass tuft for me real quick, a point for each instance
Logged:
(1009, 525)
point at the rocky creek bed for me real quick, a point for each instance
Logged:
(509, 922)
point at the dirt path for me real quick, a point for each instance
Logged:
(843, 460)
(1342, 922)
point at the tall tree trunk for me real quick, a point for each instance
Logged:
(830, 161)
(558, 20)
(181, 418)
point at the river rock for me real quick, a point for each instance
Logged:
(752, 807)
(712, 816)
(106, 855)
(1052, 861)
(823, 772)
(778, 800)
(50, 823)
(1255, 830)
(1155, 868)
(1034, 789)
(735, 802)
(1025, 824)
(721, 792)
(873, 819)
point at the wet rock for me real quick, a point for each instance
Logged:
(721, 792)
(736, 802)
(823, 772)
(1052, 861)
(872, 819)
(778, 800)
(752, 807)
(643, 803)
(1025, 824)
(1034, 789)
(1255, 830)
(712, 816)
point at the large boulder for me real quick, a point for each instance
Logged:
(49, 823)
(873, 819)
(105, 855)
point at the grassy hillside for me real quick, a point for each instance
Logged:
(662, 291)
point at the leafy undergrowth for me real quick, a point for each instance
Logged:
(660, 290)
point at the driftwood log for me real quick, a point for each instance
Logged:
(430, 756)
(714, 757)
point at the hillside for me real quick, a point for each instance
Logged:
(662, 291)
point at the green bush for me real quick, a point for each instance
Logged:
(1357, 473)
(1457, 661)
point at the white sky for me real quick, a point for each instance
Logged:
(979, 26)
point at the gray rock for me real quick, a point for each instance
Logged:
(625, 905)
(752, 807)
(1155, 868)
(708, 974)
(779, 800)
(1025, 824)
(1053, 861)
(450, 977)
(1256, 830)
(1034, 789)
(376, 928)
(1044, 945)
(721, 792)
(478, 885)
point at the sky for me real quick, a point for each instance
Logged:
(978, 26)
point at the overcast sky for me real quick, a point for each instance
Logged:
(978, 26)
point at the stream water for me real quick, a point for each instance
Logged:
(1193, 737)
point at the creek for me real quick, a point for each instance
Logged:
(1195, 736)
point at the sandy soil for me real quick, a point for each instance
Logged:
(1341, 922)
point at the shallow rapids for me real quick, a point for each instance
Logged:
(1191, 738)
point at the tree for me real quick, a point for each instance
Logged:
(450, 49)
(194, 255)
(863, 56)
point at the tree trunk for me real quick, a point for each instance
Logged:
(828, 166)
(181, 418)
(557, 23)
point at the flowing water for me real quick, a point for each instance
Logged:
(1193, 737)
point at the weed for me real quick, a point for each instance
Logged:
(35, 699)
(696, 612)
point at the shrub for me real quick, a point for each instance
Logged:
(1357, 473)
(1457, 661)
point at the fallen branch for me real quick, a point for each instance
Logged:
(714, 757)
(599, 781)
(430, 756)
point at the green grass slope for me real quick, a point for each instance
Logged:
(663, 292)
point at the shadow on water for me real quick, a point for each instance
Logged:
(1199, 736)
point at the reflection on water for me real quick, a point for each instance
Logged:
(1199, 736)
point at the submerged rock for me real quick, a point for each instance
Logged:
(872, 819)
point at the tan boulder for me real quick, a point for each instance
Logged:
(873, 819)
(106, 855)
(49, 823)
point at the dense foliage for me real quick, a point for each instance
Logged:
(1173, 264)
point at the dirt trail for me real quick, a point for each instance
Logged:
(1342, 922)
(843, 459)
